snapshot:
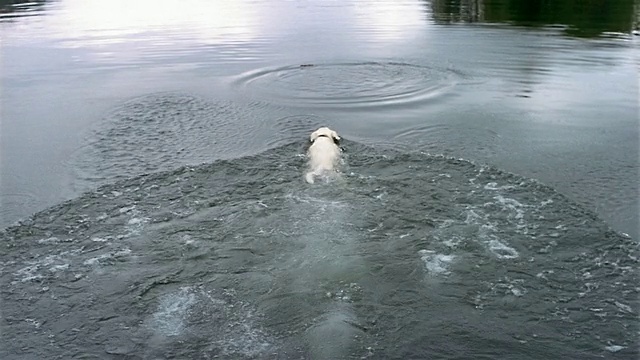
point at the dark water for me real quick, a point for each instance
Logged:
(488, 206)
(407, 256)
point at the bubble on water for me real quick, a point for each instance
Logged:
(436, 263)
(169, 318)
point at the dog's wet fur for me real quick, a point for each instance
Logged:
(323, 154)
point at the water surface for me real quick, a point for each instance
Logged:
(406, 256)
(536, 89)
(488, 205)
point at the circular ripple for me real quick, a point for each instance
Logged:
(351, 85)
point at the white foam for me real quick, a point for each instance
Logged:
(344, 294)
(50, 240)
(511, 204)
(246, 340)
(624, 307)
(36, 269)
(436, 263)
(472, 217)
(614, 348)
(54, 240)
(127, 209)
(123, 252)
(135, 221)
(487, 229)
(318, 201)
(33, 322)
(543, 274)
(28, 273)
(546, 202)
(99, 259)
(96, 260)
(73, 252)
(494, 186)
(517, 292)
(169, 318)
(453, 242)
(237, 335)
(241, 336)
(135, 224)
(378, 227)
(56, 268)
(501, 250)
(189, 241)
(447, 223)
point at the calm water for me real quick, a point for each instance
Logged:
(488, 207)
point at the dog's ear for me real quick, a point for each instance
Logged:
(335, 136)
(314, 135)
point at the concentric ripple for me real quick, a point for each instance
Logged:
(350, 85)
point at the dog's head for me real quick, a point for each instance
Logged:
(325, 131)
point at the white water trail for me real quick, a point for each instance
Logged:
(327, 259)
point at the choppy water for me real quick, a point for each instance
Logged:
(408, 255)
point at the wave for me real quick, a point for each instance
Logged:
(411, 254)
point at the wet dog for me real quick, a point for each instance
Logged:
(323, 154)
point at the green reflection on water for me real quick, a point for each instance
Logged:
(583, 18)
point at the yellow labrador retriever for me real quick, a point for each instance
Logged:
(323, 154)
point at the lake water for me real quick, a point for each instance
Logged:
(152, 156)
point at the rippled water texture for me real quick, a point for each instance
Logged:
(162, 131)
(540, 90)
(154, 206)
(352, 85)
(408, 255)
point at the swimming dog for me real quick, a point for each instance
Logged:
(323, 154)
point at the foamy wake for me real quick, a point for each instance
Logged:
(230, 323)
(436, 264)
